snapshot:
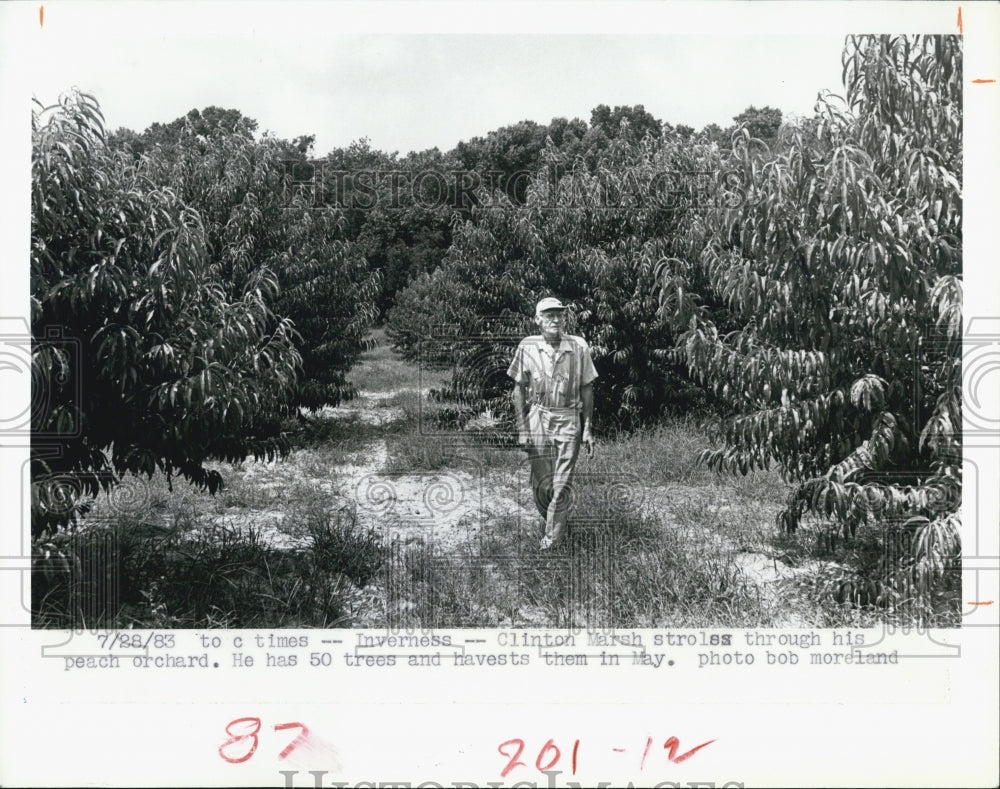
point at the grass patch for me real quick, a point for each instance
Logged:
(415, 453)
(380, 369)
(343, 433)
(617, 568)
(872, 576)
(136, 574)
(426, 443)
(705, 554)
(667, 454)
(660, 455)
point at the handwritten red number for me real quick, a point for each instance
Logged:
(303, 736)
(645, 753)
(549, 745)
(673, 744)
(513, 759)
(238, 731)
(576, 748)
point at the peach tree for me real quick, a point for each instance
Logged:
(842, 271)
(256, 222)
(168, 365)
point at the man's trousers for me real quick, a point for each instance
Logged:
(553, 451)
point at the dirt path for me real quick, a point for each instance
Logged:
(448, 509)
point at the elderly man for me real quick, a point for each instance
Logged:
(553, 407)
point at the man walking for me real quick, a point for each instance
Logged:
(553, 408)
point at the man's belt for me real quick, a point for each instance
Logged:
(572, 410)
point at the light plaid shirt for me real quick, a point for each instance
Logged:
(554, 375)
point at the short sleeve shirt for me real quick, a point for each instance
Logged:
(554, 376)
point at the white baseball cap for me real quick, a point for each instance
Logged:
(549, 303)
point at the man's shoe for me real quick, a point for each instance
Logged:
(546, 544)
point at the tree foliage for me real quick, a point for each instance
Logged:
(761, 124)
(842, 269)
(159, 365)
(255, 222)
(400, 210)
(204, 123)
(631, 123)
(592, 238)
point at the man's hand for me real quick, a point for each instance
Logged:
(587, 441)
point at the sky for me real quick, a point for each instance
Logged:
(410, 88)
